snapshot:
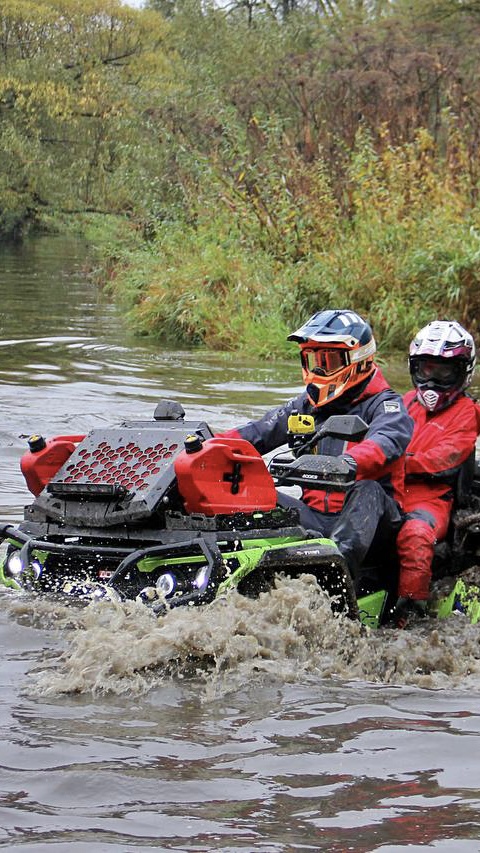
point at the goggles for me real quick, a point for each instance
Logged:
(441, 372)
(324, 362)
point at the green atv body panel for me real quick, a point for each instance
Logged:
(464, 598)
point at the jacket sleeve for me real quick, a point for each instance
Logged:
(270, 431)
(454, 446)
(390, 430)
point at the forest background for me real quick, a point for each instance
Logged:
(240, 166)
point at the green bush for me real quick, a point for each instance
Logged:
(410, 251)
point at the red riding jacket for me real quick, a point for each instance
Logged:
(441, 442)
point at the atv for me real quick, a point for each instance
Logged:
(166, 513)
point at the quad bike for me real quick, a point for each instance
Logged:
(164, 512)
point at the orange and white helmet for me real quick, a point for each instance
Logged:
(336, 350)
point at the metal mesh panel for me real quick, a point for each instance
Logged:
(116, 476)
(127, 460)
(132, 464)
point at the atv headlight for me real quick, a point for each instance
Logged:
(37, 568)
(15, 566)
(201, 577)
(166, 583)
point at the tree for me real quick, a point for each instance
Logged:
(76, 80)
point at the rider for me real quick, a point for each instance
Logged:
(446, 423)
(336, 350)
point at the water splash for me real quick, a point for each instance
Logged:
(287, 634)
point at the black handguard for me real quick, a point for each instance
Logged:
(329, 473)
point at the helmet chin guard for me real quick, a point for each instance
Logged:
(429, 398)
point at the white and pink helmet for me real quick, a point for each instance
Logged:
(442, 360)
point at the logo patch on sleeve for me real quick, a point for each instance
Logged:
(391, 406)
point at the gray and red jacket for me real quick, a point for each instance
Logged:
(379, 456)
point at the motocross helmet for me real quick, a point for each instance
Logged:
(336, 350)
(442, 361)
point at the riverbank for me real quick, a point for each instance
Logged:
(209, 285)
(239, 171)
(204, 288)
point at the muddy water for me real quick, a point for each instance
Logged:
(244, 726)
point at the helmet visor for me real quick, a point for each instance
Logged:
(323, 361)
(441, 372)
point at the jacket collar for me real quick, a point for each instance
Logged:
(374, 385)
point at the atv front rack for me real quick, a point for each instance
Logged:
(204, 547)
(195, 570)
(29, 544)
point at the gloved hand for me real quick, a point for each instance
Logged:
(408, 610)
(349, 460)
(352, 468)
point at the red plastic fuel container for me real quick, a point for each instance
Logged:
(223, 476)
(45, 457)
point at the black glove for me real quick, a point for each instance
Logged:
(350, 461)
(407, 610)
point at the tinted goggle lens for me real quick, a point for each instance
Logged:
(440, 372)
(324, 362)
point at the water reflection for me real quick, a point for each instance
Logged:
(72, 335)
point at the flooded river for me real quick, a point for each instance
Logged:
(264, 726)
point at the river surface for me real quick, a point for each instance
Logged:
(265, 725)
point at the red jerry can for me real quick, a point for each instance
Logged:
(45, 457)
(223, 476)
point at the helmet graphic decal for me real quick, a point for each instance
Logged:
(430, 399)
